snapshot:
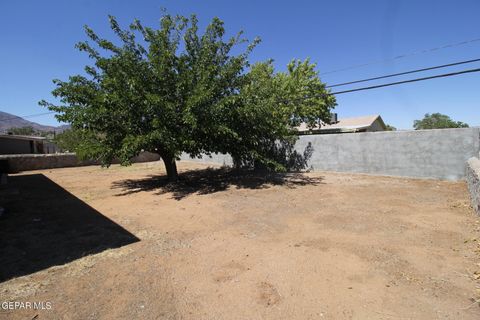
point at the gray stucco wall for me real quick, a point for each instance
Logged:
(214, 158)
(24, 162)
(473, 182)
(438, 154)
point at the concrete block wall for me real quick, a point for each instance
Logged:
(214, 158)
(25, 162)
(473, 181)
(437, 154)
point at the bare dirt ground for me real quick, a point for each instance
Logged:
(119, 243)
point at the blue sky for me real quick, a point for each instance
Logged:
(38, 38)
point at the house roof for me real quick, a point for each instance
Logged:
(19, 137)
(345, 125)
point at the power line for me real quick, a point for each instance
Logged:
(27, 116)
(403, 73)
(408, 81)
(331, 93)
(402, 56)
(385, 85)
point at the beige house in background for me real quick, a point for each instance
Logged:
(347, 125)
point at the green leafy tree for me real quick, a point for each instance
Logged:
(390, 128)
(67, 141)
(30, 131)
(272, 105)
(23, 131)
(437, 121)
(177, 90)
(79, 141)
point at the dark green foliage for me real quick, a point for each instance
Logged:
(177, 90)
(390, 128)
(23, 131)
(30, 131)
(272, 105)
(437, 121)
(80, 141)
(284, 155)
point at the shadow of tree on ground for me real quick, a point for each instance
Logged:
(211, 180)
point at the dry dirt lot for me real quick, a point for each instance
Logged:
(119, 243)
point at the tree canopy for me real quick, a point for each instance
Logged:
(176, 90)
(390, 128)
(79, 141)
(437, 121)
(272, 104)
(30, 131)
(24, 131)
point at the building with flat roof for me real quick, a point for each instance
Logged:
(16, 144)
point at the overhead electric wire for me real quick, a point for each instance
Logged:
(27, 116)
(331, 93)
(404, 73)
(402, 56)
(407, 81)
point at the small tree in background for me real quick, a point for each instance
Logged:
(180, 91)
(272, 105)
(437, 121)
(80, 141)
(390, 128)
(30, 131)
(23, 131)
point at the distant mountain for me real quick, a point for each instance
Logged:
(8, 121)
(63, 127)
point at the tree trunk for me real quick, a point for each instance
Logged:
(171, 167)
